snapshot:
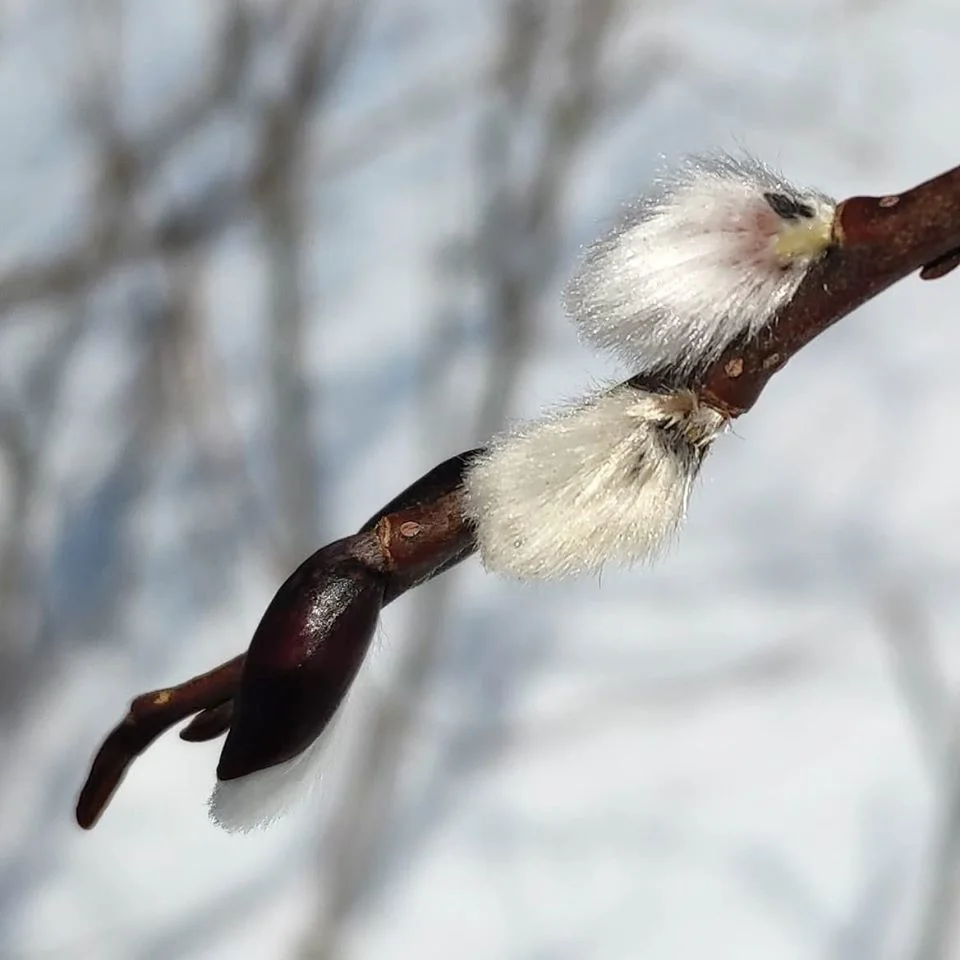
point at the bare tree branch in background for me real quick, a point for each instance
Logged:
(326, 40)
(160, 259)
(160, 253)
(868, 928)
(517, 245)
(932, 706)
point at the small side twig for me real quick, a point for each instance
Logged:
(149, 715)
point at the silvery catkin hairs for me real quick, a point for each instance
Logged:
(717, 248)
(606, 480)
(711, 256)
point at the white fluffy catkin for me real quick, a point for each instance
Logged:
(604, 480)
(259, 799)
(717, 249)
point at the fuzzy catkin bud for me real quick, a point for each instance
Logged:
(711, 255)
(604, 480)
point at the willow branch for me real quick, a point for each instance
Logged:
(423, 531)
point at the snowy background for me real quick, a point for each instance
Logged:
(262, 264)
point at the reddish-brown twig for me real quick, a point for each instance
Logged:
(149, 715)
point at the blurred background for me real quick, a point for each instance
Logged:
(263, 263)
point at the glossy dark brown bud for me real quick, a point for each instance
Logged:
(209, 724)
(303, 657)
